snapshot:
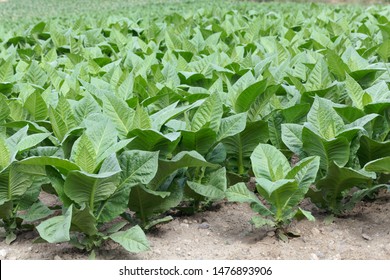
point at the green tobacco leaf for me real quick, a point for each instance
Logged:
(240, 193)
(324, 118)
(371, 150)
(5, 154)
(147, 203)
(215, 188)
(133, 240)
(152, 140)
(181, 160)
(31, 141)
(96, 144)
(85, 107)
(36, 212)
(138, 167)
(57, 182)
(305, 172)
(319, 77)
(336, 150)
(4, 108)
(36, 105)
(304, 214)
(240, 146)
(141, 119)
(356, 93)
(336, 64)
(381, 165)
(63, 165)
(87, 188)
(268, 162)
(292, 137)
(231, 126)
(208, 114)
(56, 229)
(338, 180)
(120, 114)
(61, 119)
(164, 115)
(84, 221)
(200, 141)
(246, 98)
(15, 181)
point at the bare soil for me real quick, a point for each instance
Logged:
(225, 233)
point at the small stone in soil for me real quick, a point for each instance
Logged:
(313, 256)
(366, 236)
(315, 231)
(57, 258)
(204, 225)
(3, 253)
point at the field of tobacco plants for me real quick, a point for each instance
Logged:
(131, 116)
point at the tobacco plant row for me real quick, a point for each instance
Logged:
(131, 118)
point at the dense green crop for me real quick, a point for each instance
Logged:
(131, 117)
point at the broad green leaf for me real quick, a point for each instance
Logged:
(56, 229)
(84, 154)
(138, 167)
(84, 221)
(31, 141)
(384, 50)
(231, 126)
(356, 93)
(200, 141)
(119, 113)
(63, 165)
(5, 154)
(324, 119)
(215, 187)
(208, 114)
(87, 188)
(269, 163)
(16, 179)
(303, 213)
(85, 107)
(336, 150)
(305, 172)
(161, 117)
(240, 146)
(246, 98)
(381, 165)
(319, 77)
(147, 203)
(371, 150)
(133, 240)
(141, 119)
(292, 137)
(152, 140)
(36, 105)
(181, 160)
(338, 180)
(336, 64)
(36, 212)
(4, 108)
(61, 119)
(240, 193)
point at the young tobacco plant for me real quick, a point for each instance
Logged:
(94, 188)
(19, 186)
(282, 187)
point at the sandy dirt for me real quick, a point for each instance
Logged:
(225, 233)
